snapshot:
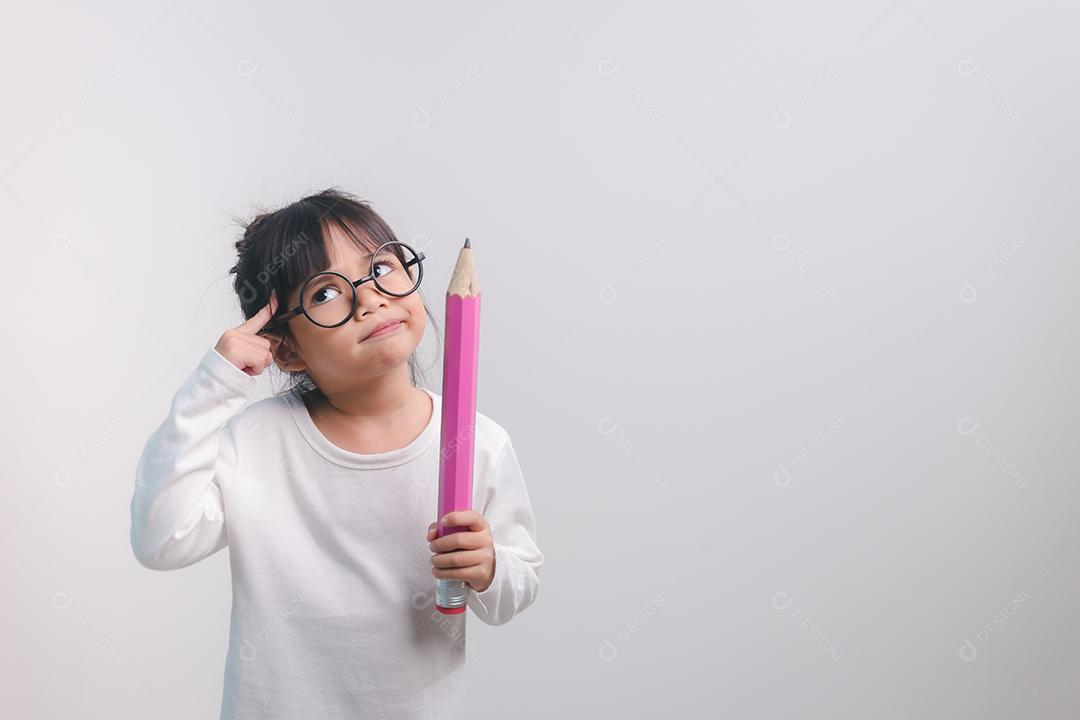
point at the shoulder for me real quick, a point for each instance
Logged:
(492, 440)
(258, 417)
(496, 471)
(490, 437)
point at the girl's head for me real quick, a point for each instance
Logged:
(331, 230)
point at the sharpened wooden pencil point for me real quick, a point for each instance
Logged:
(467, 243)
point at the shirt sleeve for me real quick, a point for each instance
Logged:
(509, 514)
(177, 513)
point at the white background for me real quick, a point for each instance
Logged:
(780, 311)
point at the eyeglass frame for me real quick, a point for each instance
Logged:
(300, 310)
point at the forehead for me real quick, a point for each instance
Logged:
(343, 251)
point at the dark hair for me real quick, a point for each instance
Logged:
(280, 249)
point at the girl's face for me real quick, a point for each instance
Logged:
(339, 356)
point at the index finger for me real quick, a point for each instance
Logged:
(469, 519)
(256, 322)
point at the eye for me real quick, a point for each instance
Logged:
(383, 264)
(325, 294)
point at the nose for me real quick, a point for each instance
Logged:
(369, 300)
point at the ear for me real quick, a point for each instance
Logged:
(287, 357)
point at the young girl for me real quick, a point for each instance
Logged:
(324, 491)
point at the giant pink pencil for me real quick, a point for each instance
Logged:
(460, 364)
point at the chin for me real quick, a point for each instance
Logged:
(396, 348)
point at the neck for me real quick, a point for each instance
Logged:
(372, 398)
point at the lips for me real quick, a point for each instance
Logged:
(381, 326)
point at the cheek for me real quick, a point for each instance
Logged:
(417, 316)
(419, 322)
(318, 343)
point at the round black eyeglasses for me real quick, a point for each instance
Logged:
(329, 299)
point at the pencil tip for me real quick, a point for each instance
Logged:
(467, 243)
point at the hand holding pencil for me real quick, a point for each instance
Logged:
(467, 555)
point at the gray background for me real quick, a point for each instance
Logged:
(779, 311)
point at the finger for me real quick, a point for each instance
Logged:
(464, 518)
(255, 323)
(248, 343)
(459, 541)
(258, 362)
(461, 559)
(468, 574)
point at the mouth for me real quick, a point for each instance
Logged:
(387, 328)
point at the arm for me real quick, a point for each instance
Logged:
(177, 513)
(507, 509)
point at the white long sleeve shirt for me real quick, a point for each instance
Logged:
(333, 611)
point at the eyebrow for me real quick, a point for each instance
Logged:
(365, 258)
